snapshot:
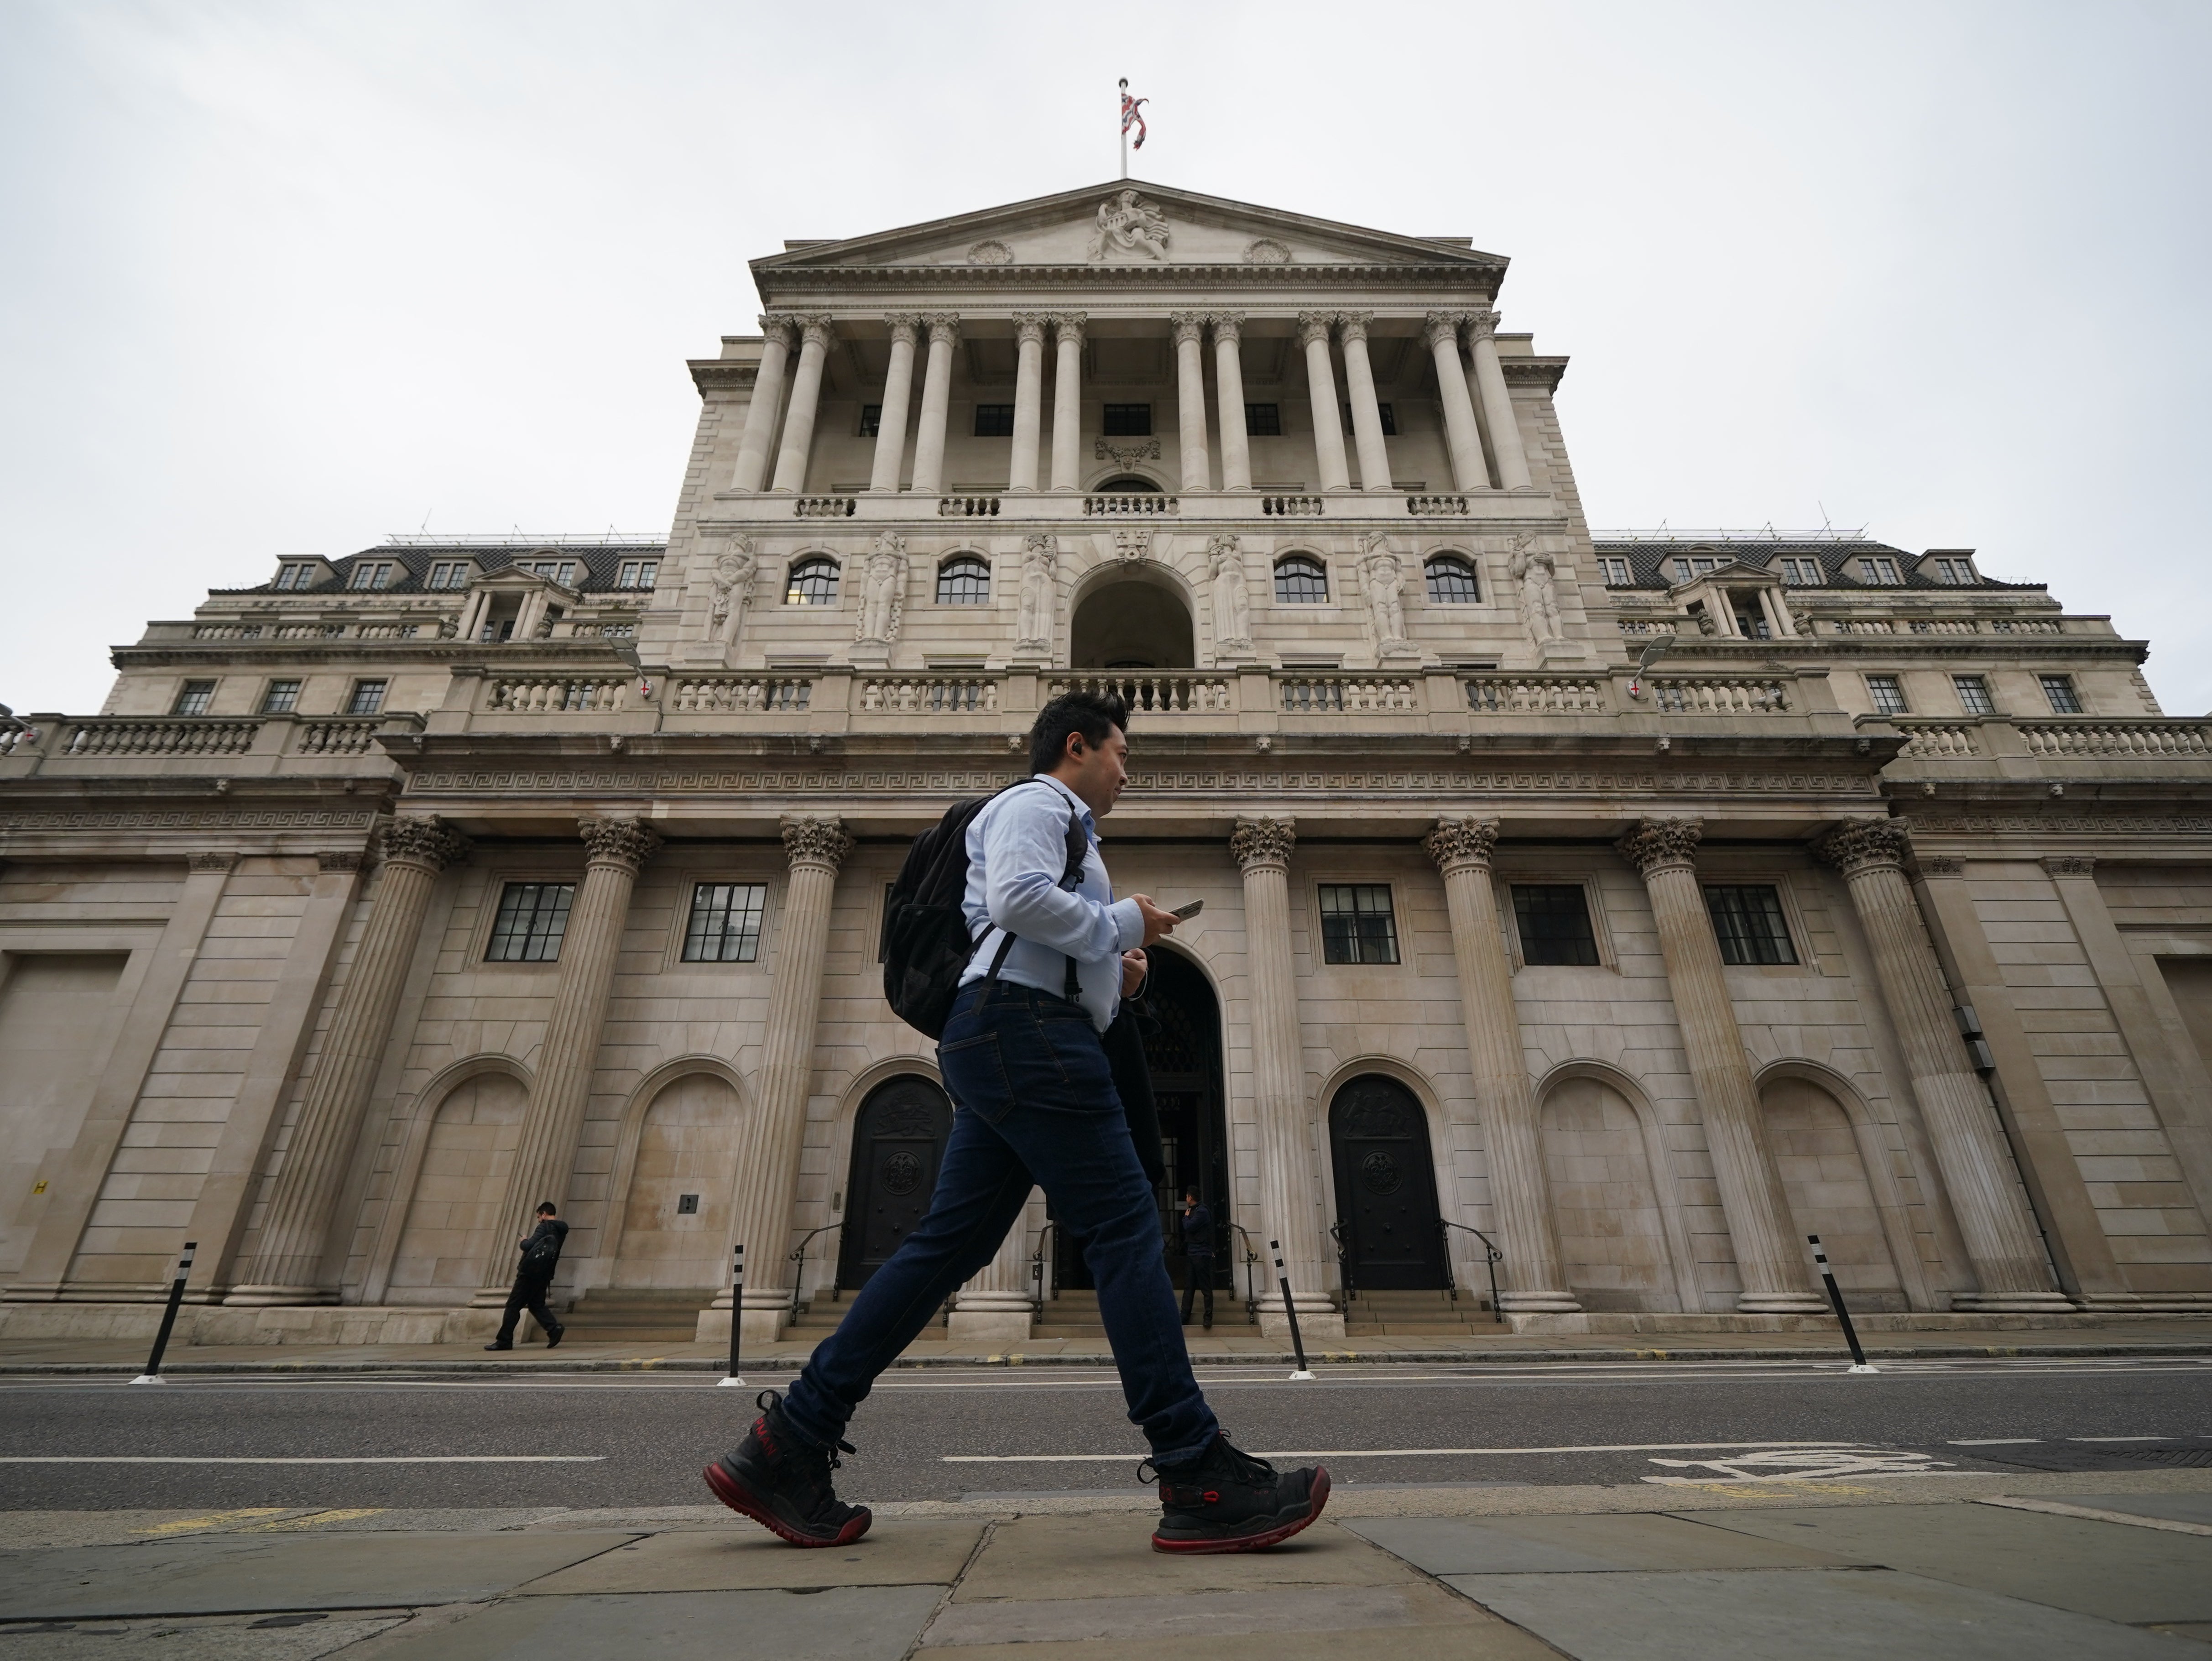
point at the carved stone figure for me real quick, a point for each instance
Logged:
(1124, 222)
(1039, 555)
(882, 591)
(1536, 572)
(1382, 577)
(734, 586)
(1232, 603)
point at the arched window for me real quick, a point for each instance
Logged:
(1452, 582)
(1301, 580)
(813, 582)
(965, 580)
(1126, 484)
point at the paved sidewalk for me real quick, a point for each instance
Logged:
(2178, 1337)
(2011, 1568)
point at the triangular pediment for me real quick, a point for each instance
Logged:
(1129, 223)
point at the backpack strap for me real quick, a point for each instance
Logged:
(1071, 874)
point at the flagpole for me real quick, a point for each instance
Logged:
(1124, 124)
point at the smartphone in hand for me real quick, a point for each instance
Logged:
(1185, 913)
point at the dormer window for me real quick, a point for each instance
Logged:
(1802, 573)
(292, 577)
(637, 573)
(1881, 570)
(450, 573)
(1615, 571)
(563, 571)
(372, 573)
(1688, 566)
(1956, 572)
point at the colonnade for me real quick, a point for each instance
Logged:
(1478, 405)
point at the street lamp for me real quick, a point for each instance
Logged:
(1654, 649)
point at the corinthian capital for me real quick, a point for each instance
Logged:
(1315, 326)
(1068, 326)
(1352, 326)
(1480, 326)
(779, 326)
(1029, 326)
(943, 325)
(1189, 327)
(814, 328)
(904, 325)
(429, 843)
(1653, 845)
(1442, 326)
(816, 841)
(626, 842)
(1257, 843)
(1457, 842)
(1860, 845)
(1227, 326)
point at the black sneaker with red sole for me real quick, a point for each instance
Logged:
(782, 1482)
(1226, 1502)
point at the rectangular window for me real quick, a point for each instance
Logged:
(638, 574)
(290, 577)
(281, 698)
(1127, 421)
(1881, 571)
(1695, 567)
(1264, 420)
(1887, 694)
(872, 420)
(1553, 919)
(726, 922)
(1974, 695)
(1388, 415)
(1616, 571)
(995, 421)
(563, 571)
(2059, 688)
(1750, 926)
(1956, 572)
(1357, 924)
(373, 574)
(1802, 573)
(450, 573)
(368, 698)
(195, 698)
(533, 917)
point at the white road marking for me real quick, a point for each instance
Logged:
(1384, 1453)
(1995, 1441)
(393, 1459)
(1807, 1465)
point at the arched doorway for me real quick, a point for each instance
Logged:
(1386, 1188)
(1817, 1156)
(898, 1137)
(1613, 1237)
(1132, 620)
(677, 1216)
(445, 1248)
(1181, 1020)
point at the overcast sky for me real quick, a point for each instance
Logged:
(281, 279)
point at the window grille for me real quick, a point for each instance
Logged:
(1452, 582)
(1802, 573)
(281, 698)
(995, 421)
(638, 574)
(195, 698)
(1300, 580)
(533, 917)
(1127, 421)
(1882, 572)
(813, 582)
(1616, 570)
(872, 420)
(1264, 420)
(1357, 923)
(726, 922)
(1888, 694)
(368, 698)
(291, 577)
(1686, 568)
(1974, 695)
(376, 574)
(2059, 688)
(1553, 919)
(1747, 921)
(1957, 572)
(965, 580)
(450, 573)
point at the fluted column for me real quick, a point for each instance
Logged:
(1190, 398)
(767, 405)
(1768, 1256)
(1067, 401)
(1366, 407)
(1029, 402)
(936, 401)
(295, 1231)
(805, 398)
(1290, 1198)
(890, 421)
(615, 850)
(995, 1307)
(1228, 389)
(1970, 1149)
(1461, 434)
(1497, 403)
(1321, 392)
(1533, 1278)
(775, 1130)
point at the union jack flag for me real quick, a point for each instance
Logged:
(1133, 116)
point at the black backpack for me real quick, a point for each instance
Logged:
(925, 942)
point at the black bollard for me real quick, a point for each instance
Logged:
(1290, 1311)
(737, 1313)
(1836, 1297)
(153, 1373)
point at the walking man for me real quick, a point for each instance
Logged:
(1035, 1103)
(540, 1256)
(1198, 1255)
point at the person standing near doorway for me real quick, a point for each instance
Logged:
(1197, 1254)
(1034, 1105)
(540, 1256)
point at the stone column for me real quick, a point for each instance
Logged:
(1321, 392)
(1768, 1254)
(1497, 403)
(1460, 433)
(1533, 1281)
(994, 1308)
(1366, 410)
(775, 1130)
(767, 405)
(891, 423)
(1228, 389)
(936, 401)
(1290, 1198)
(1970, 1145)
(1190, 398)
(295, 1231)
(1029, 402)
(805, 396)
(546, 1154)
(1068, 402)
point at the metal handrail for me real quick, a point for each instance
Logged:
(1036, 1269)
(1490, 1247)
(1343, 1263)
(798, 1257)
(1251, 1279)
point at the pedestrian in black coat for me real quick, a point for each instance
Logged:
(540, 1256)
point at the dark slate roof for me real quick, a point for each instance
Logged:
(1650, 562)
(597, 564)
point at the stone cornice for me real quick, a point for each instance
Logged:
(709, 373)
(1468, 284)
(1545, 372)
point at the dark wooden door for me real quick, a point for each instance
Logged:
(1386, 1186)
(897, 1141)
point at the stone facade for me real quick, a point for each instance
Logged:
(1633, 906)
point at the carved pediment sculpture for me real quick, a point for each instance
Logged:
(1126, 222)
(1040, 554)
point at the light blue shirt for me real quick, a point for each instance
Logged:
(1016, 849)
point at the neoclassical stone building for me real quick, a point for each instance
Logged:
(1640, 905)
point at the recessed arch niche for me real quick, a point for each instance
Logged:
(1133, 618)
(445, 1247)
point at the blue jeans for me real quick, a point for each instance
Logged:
(1033, 1103)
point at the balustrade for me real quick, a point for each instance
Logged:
(345, 735)
(1348, 695)
(1946, 739)
(1292, 507)
(226, 631)
(932, 695)
(1719, 694)
(178, 735)
(1437, 507)
(1136, 504)
(825, 507)
(1536, 694)
(2026, 626)
(968, 507)
(739, 695)
(2176, 740)
(593, 694)
(1165, 693)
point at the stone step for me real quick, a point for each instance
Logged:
(637, 1315)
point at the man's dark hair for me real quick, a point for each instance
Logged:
(1094, 714)
(546, 1208)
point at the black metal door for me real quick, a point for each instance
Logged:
(898, 1139)
(1386, 1186)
